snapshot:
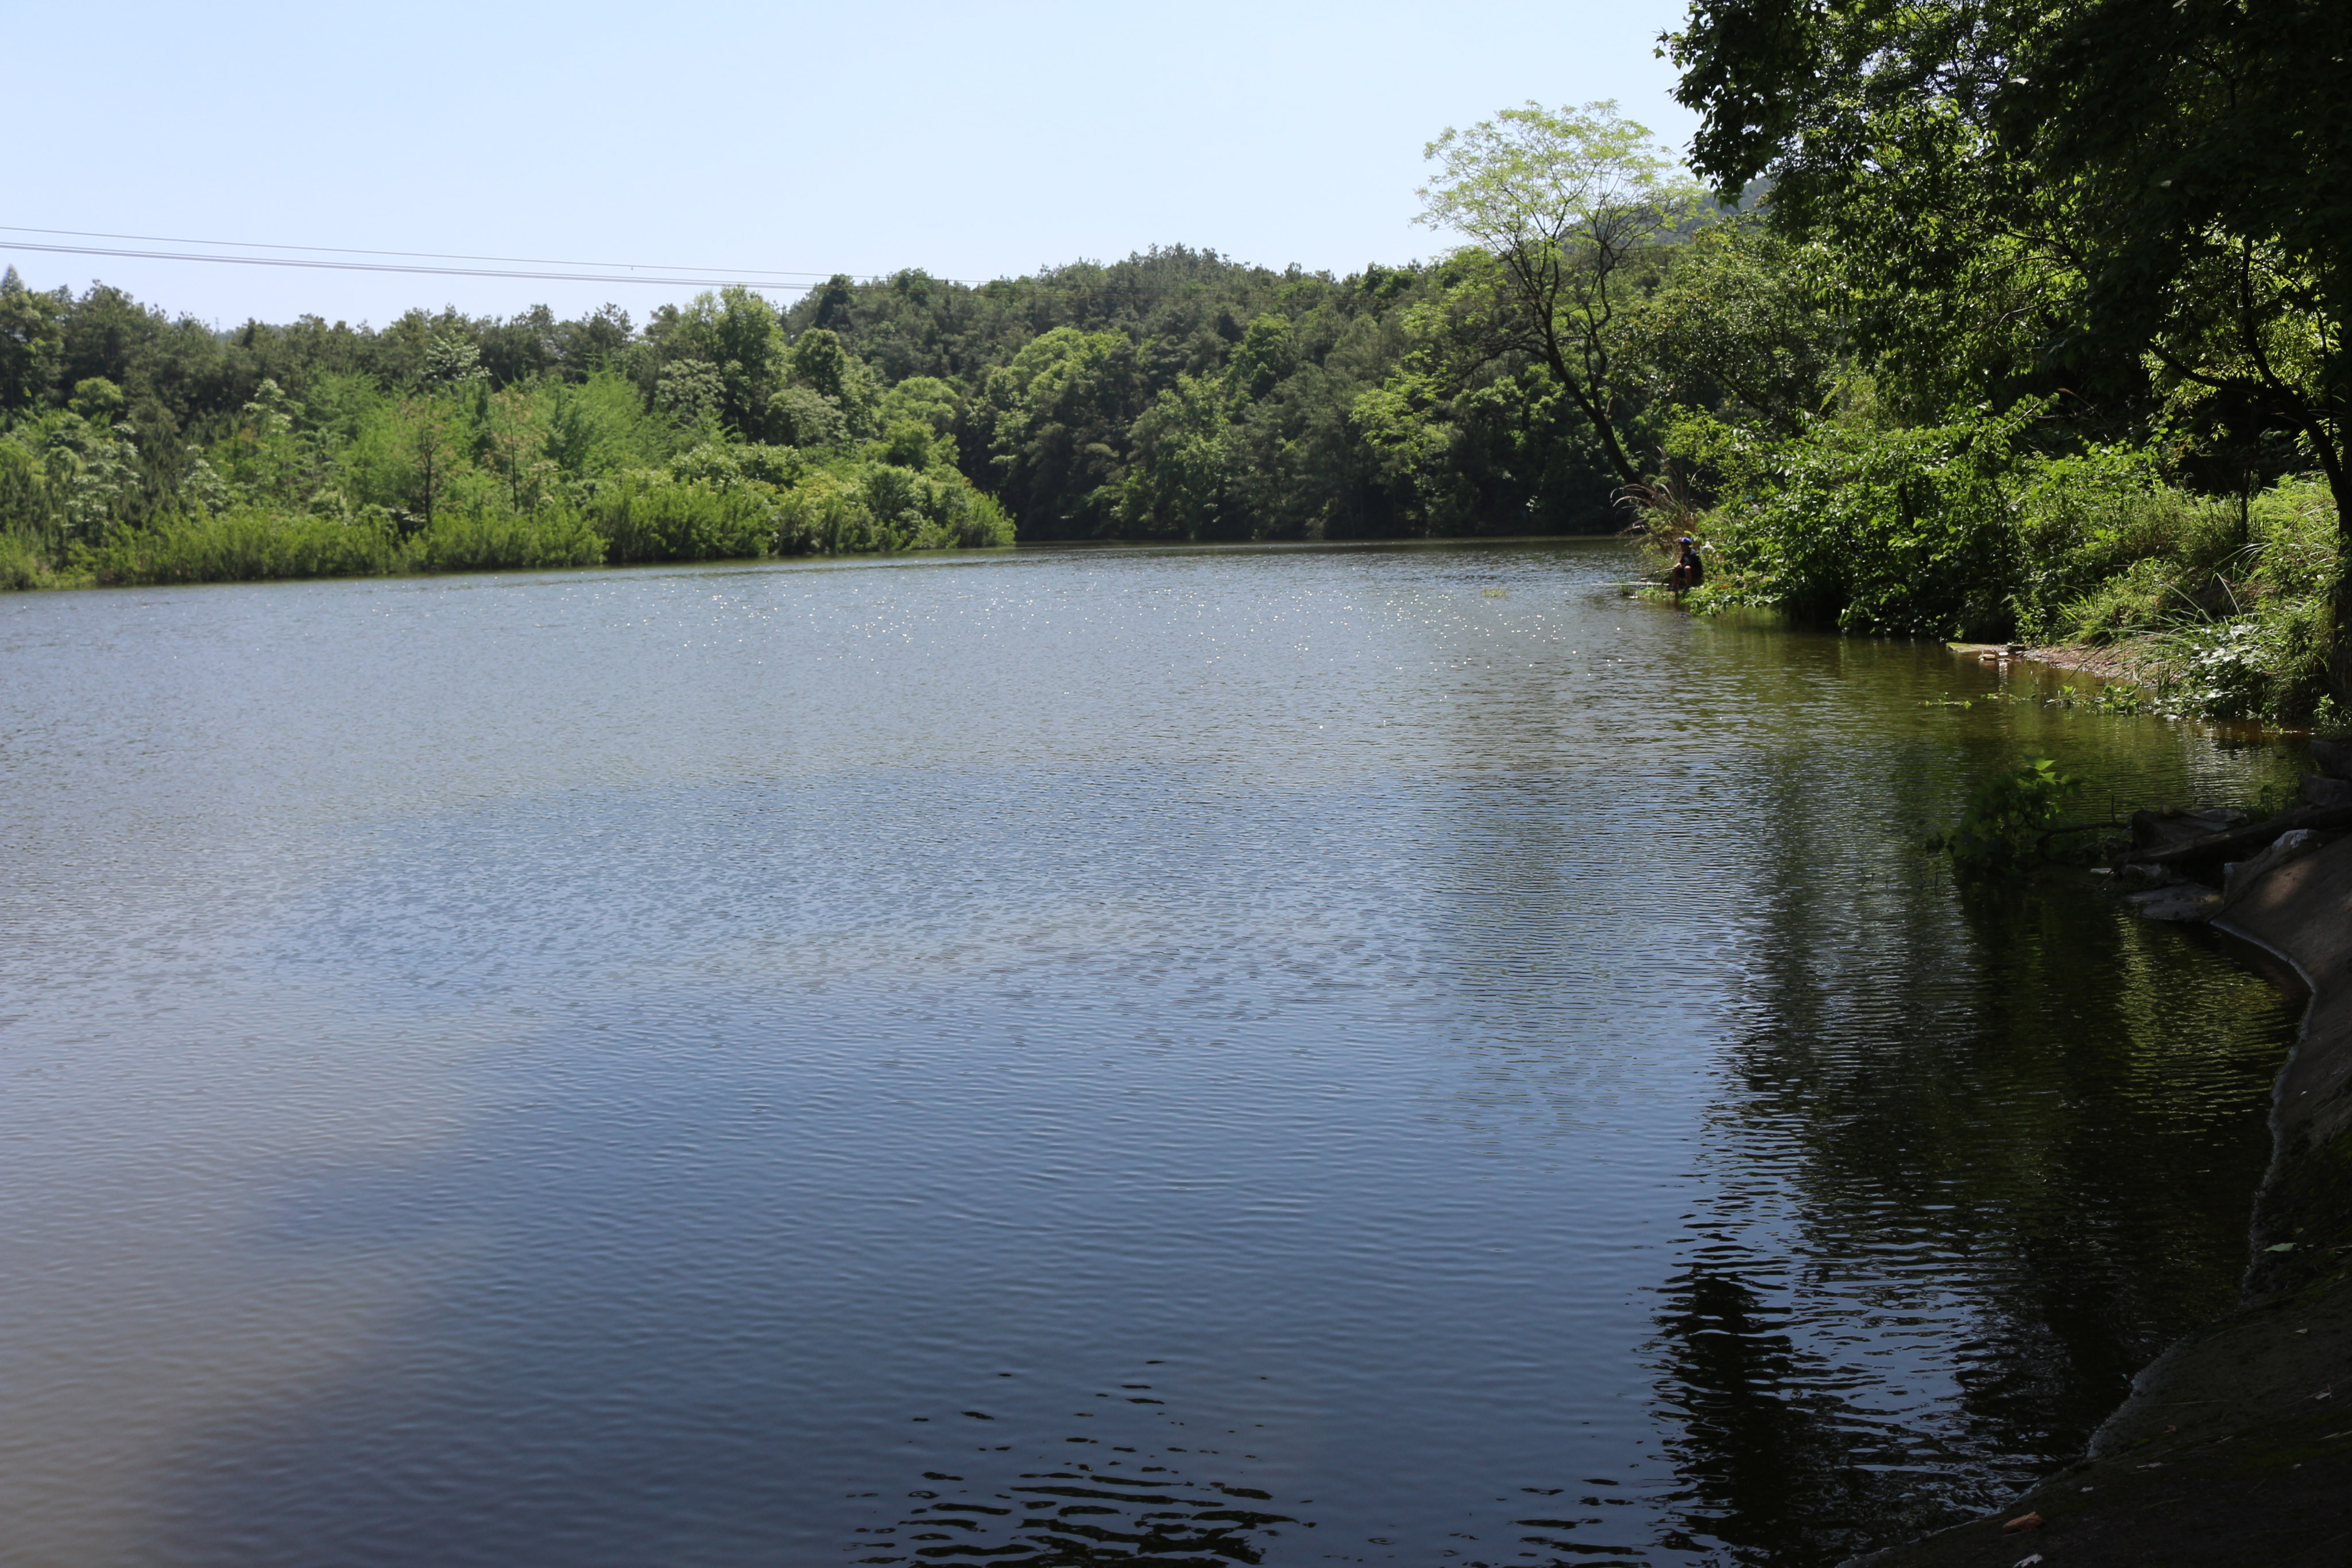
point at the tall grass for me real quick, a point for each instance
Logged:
(240, 545)
(647, 517)
(639, 516)
(23, 564)
(483, 542)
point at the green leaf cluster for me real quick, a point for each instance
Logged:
(2134, 214)
(2002, 829)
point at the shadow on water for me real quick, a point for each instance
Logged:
(2027, 1134)
(1140, 1511)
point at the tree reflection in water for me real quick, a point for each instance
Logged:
(1776, 1462)
(1982, 1157)
(1138, 1510)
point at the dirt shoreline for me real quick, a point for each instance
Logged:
(2235, 1446)
(2109, 663)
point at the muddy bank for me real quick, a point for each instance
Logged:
(2125, 662)
(2235, 1446)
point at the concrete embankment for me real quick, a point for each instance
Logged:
(2235, 1446)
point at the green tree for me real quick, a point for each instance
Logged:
(454, 360)
(2064, 195)
(1057, 418)
(1261, 360)
(801, 416)
(1737, 327)
(30, 342)
(1176, 487)
(820, 363)
(737, 336)
(1560, 202)
(691, 392)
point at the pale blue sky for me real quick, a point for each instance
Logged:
(974, 140)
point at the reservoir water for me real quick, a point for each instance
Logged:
(1291, 1056)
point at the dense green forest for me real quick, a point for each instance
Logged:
(2001, 321)
(2092, 266)
(1173, 396)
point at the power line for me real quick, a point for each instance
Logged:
(341, 250)
(662, 276)
(668, 280)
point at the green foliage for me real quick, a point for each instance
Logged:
(1057, 416)
(1178, 487)
(647, 517)
(1559, 204)
(2224, 601)
(244, 544)
(927, 400)
(1739, 326)
(2269, 665)
(30, 338)
(1178, 396)
(820, 364)
(2144, 206)
(457, 470)
(1909, 531)
(1035, 389)
(2111, 550)
(22, 564)
(882, 506)
(2002, 829)
(490, 541)
(731, 359)
(1960, 530)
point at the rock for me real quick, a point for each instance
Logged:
(2187, 901)
(2239, 875)
(2319, 789)
(2204, 855)
(2023, 1522)
(2165, 829)
(2333, 758)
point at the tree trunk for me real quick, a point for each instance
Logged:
(1594, 411)
(2339, 596)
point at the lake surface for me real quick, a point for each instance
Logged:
(1344, 1055)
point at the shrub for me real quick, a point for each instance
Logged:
(2086, 521)
(650, 517)
(2132, 602)
(1904, 531)
(880, 506)
(480, 541)
(2002, 828)
(21, 563)
(242, 545)
(2268, 664)
(1946, 531)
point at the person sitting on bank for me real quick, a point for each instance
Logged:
(1689, 569)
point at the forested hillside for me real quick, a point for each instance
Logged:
(2024, 322)
(1173, 396)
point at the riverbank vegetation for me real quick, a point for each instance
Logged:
(189, 455)
(2089, 270)
(2023, 324)
(1176, 396)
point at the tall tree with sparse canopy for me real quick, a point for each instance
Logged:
(1557, 202)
